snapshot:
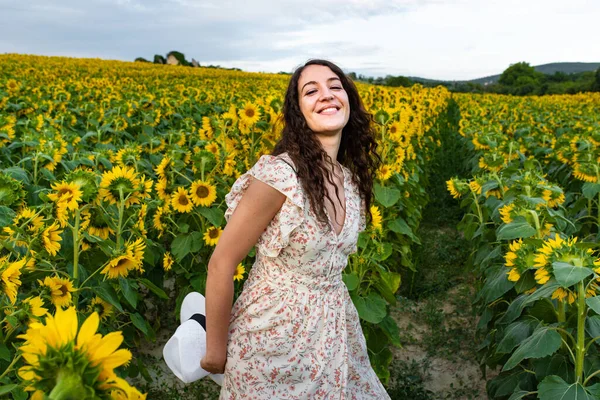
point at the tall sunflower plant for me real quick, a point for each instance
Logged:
(539, 288)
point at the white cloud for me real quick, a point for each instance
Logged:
(458, 39)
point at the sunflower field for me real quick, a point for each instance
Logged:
(112, 183)
(532, 212)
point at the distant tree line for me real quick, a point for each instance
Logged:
(519, 79)
(180, 57)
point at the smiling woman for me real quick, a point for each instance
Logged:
(294, 332)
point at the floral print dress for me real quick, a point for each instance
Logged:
(294, 332)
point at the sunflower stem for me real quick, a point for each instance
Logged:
(479, 214)
(9, 368)
(35, 169)
(536, 219)
(90, 277)
(580, 346)
(121, 206)
(202, 164)
(598, 209)
(68, 386)
(76, 240)
(500, 184)
(561, 311)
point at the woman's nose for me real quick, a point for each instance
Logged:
(326, 95)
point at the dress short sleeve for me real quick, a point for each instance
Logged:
(279, 174)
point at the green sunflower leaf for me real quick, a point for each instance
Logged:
(139, 322)
(391, 330)
(7, 215)
(154, 289)
(590, 189)
(554, 388)
(544, 342)
(4, 389)
(128, 292)
(108, 294)
(351, 281)
(386, 196)
(516, 333)
(371, 308)
(214, 215)
(568, 275)
(594, 303)
(519, 228)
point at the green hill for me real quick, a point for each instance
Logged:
(565, 67)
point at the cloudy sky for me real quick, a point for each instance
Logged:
(441, 39)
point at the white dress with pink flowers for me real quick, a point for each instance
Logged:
(294, 332)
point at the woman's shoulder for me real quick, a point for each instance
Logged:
(280, 163)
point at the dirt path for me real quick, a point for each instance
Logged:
(438, 357)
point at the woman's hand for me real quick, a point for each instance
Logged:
(212, 364)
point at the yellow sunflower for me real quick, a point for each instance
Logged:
(60, 290)
(120, 266)
(562, 294)
(29, 217)
(239, 272)
(203, 193)
(11, 273)
(452, 189)
(60, 357)
(475, 187)
(213, 148)
(34, 306)
(384, 173)
(167, 261)
(121, 179)
(100, 231)
(123, 391)
(131, 258)
(103, 308)
(505, 213)
(163, 190)
(250, 114)
(376, 221)
(161, 168)
(51, 239)
(157, 220)
(62, 214)
(66, 192)
(212, 235)
(181, 202)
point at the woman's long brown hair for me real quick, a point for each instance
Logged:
(357, 149)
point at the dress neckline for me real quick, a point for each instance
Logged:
(345, 184)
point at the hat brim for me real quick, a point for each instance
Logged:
(184, 350)
(193, 303)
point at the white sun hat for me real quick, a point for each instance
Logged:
(187, 346)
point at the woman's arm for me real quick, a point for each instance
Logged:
(259, 204)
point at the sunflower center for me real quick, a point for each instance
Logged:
(99, 308)
(65, 192)
(64, 291)
(213, 233)
(122, 262)
(183, 200)
(202, 192)
(249, 112)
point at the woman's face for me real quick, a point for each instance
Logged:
(323, 100)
